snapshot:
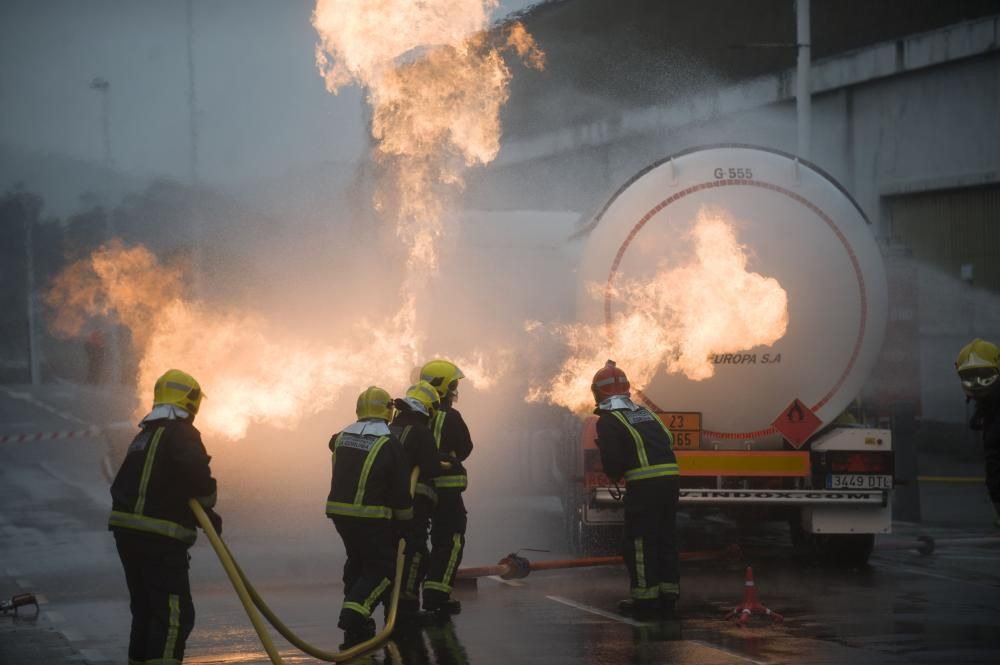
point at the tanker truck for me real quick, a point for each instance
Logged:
(756, 433)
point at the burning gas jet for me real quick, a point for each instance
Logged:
(436, 80)
(676, 319)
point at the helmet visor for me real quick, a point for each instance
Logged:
(979, 381)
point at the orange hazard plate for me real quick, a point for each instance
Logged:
(685, 426)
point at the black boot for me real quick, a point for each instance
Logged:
(641, 611)
(445, 607)
(667, 609)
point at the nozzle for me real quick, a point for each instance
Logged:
(517, 567)
(20, 600)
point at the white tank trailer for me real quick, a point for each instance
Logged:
(762, 437)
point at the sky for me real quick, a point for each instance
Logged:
(262, 110)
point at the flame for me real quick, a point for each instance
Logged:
(251, 371)
(676, 320)
(435, 80)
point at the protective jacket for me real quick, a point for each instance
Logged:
(166, 465)
(636, 444)
(371, 477)
(633, 441)
(987, 419)
(454, 444)
(413, 432)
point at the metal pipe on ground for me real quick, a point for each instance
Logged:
(515, 567)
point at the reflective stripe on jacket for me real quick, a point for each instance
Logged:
(418, 442)
(370, 478)
(635, 443)
(166, 464)
(454, 444)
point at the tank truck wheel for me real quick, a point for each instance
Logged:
(590, 540)
(845, 550)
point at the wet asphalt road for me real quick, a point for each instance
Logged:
(903, 608)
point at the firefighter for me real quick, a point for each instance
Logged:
(412, 427)
(978, 367)
(635, 443)
(371, 508)
(448, 521)
(165, 466)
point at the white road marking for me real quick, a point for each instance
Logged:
(53, 616)
(497, 578)
(24, 584)
(594, 610)
(639, 624)
(72, 635)
(65, 415)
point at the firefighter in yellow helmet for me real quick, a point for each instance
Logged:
(412, 427)
(165, 466)
(448, 520)
(978, 367)
(370, 505)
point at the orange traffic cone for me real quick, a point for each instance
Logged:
(750, 604)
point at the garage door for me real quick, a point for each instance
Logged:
(951, 228)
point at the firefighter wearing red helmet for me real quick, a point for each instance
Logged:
(635, 444)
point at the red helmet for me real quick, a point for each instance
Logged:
(609, 381)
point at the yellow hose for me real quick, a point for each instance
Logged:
(249, 597)
(234, 577)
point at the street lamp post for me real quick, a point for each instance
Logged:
(103, 86)
(803, 92)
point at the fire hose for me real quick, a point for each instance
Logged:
(252, 601)
(515, 567)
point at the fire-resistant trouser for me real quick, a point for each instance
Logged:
(650, 547)
(416, 563)
(448, 522)
(156, 572)
(370, 566)
(991, 451)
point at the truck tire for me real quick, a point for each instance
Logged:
(590, 540)
(845, 550)
(585, 539)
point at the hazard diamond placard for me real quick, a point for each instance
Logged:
(797, 423)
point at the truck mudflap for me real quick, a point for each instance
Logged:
(605, 496)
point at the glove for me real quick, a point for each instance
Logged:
(216, 521)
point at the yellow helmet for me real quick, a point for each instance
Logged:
(374, 403)
(443, 375)
(180, 389)
(978, 366)
(422, 397)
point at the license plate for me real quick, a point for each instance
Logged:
(853, 481)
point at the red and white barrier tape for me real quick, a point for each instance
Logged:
(49, 436)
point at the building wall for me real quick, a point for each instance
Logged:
(919, 115)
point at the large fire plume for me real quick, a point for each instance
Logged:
(251, 371)
(676, 320)
(435, 80)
